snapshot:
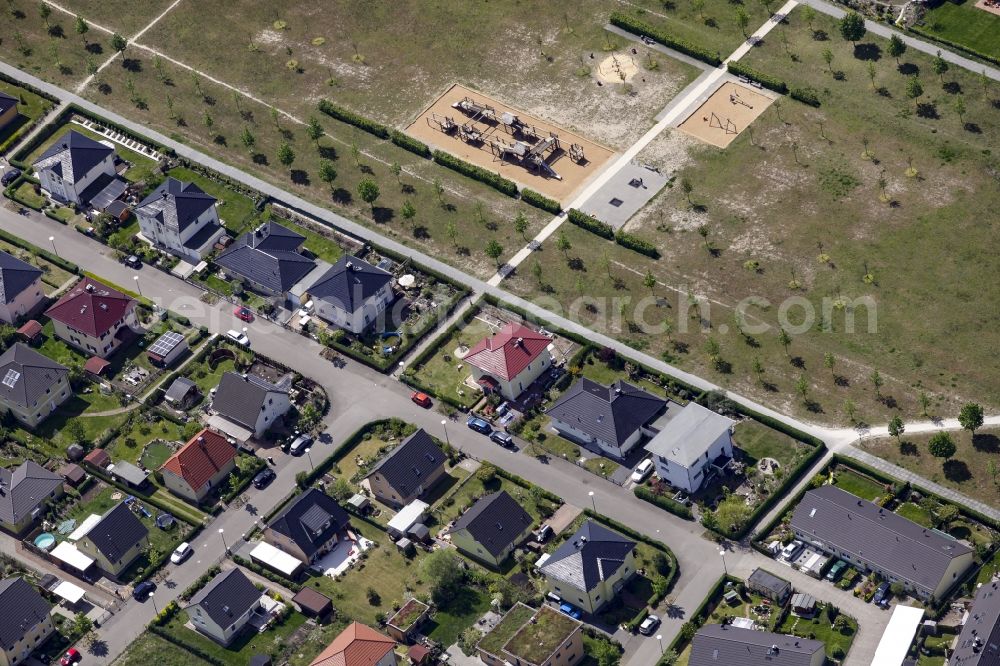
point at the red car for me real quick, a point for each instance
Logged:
(71, 657)
(243, 313)
(421, 399)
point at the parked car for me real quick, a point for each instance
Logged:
(142, 591)
(836, 571)
(570, 610)
(543, 533)
(301, 443)
(421, 399)
(243, 313)
(238, 337)
(649, 625)
(881, 597)
(181, 553)
(479, 425)
(264, 477)
(643, 470)
(133, 261)
(502, 438)
(71, 657)
(791, 550)
(10, 176)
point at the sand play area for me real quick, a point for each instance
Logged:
(617, 68)
(726, 113)
(536, 154)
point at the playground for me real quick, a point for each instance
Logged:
(726, 113)
(501, 138)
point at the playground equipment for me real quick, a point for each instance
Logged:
(530, 156)
(475, 110)
(443, 123)
(576, 153)
(729, 127)
(469, 133)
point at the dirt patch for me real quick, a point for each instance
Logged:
(617, 68)
(726, 113)
(480, 129)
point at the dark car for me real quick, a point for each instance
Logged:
(479, 425)
(263, 478)
(10, 176)
(142, 591)
(881, 597)
(133, 261)
(503, 439)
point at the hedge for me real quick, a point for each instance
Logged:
(494, 180)
(407, 142)
(44, 254)
(766, 80)
(267, 573)
(640, 245)
(804, 95)
(665, 503)
(351, 118)
(590, 223)
(635, 25)
(537, 200)
(955, 45)
(47, 130)
(515, 479)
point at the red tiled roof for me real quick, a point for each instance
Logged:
(30, 330)
(201, 458)
(508, 352)
(95, 365)
(98, 458)
(358, 645)
(418, 653)
(91, 307)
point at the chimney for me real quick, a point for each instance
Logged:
(520, 342)
(90, 287)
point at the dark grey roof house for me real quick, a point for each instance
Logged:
(223, 607)
(979, 642)
(16, 278)
(73, 156)
(268, 258)
(590, 567)
(31, 385)
(116, 540)
(25, 620)
(491, 528)
(726, 645)
(612, 417)
(250, 402)
(181, 218)
(351, 293)
(927, 562)
(181, 393)
(24, 492)
(309, 526)
(408, 471)
(8, 109)
(768, 585)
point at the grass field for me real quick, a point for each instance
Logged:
(30, 108)
(713, 25)
(856, 484)
(963, 23)
(444, 374)
(149, 647)
(271, 642)
(758, 441)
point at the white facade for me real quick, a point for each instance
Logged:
(689, 477)
(275, 406)
(514, 387)
(362, 317)
(63, 190)
(610, 448)
(204, 623)
(174, 240)
(103, 346)
(23, 303)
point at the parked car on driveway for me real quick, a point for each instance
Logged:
(301, 443)
(243, 313)
(881, 597)
(570, 610)
(836, 571)
(502, 438)
(649, 625)
(71, 657)
(642, 470)
(791, 550)
(479, 425)
(264, 477)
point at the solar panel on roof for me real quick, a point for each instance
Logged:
(10, 379)
(166, 343)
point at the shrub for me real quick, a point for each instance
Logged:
(494, 180)
(805, 95)
(351, 118)
(665, 503)
(407, 142)
(590, 223)
(766, 80)
(540, 201)
(640, 245)
(635, 25)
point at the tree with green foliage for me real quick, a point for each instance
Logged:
(809, 15)
(784, 339)
(851, 410)
(877, 382)
(941, 445)
(443, 571)
(563, 244)
(971, 417)
(286, 155)
(494, 250)
(757, 367)
(408, 211)
(369, 192)
(872, 73)
(896, 428)
(742, 20)
(914, 90)
(959, 106)
(451, 230)
(521, 224)
(248, 139)
(852, 27)
(396, 170)
(44, 11)
(314, 130)
(940, 66)
(687, 187)
(896, 48)
(802, 388)
(119, 43)
(75, 432)
(327, 172)
(925, 403)
(827, 56)
(82, 28)
(649, 281)
(829, 361)
(81, 625)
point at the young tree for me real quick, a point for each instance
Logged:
(356, 154)
(649, 281)
(536, 270)
(925, 403)
(896, 427)
(827, 55)
(876, 380)
(896, 48)
(275, 118)
(756, 366)
(742, 20)
(209, 121)
(452, 231)
(81, 29)
(439, 191)
(327, 172)
(45, 12)
(286, 155)
(368, 191)
(521, 224)
(408, 211)
(160, 69)
(829, 361)
(395, 169)
(941, 445)
(940, 66)
(703, 232)
(248, 139)
(784, 339)
(852, 27)
(563, 244)
(959, 106)
(971, 417)
(809, 15)
(494, 250)
(119, 43)
(914, 90)
(802, 388)
(687, 187)
(851, 410)
(314, 130)
(872, 72)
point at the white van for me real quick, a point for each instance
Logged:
(643, 470)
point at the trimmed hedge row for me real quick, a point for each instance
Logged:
(637, 244)
(590, 223)
(804, 95)
(351, 118)
(47, 130)
(634, 25)
(494, 180)
(954, 45)
(407, 142)
(537, 200)
(44, 254)
(665, 503)
(766, 80)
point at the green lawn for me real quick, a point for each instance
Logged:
(150, 648)
(31, 107)
(837, 641)
(236, 210)
(322, 246)
(465, 496)
(443, 374)
(206, 377)
(916, 513)
(53, 276)
(128, 445)
(758, 441)
(965, 24)
(64, 213)
(457, 615)
(25, 192)
(271, 642)
(856, 484)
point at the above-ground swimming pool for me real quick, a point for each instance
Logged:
(45, 540)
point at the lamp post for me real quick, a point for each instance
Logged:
(444, 424)
(311, 466)
(52, 239)
(722, 554)
(137, 287)
(223, 537)
(593, 501)
(659, 639)
(152, 599)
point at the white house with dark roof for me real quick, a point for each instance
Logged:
(115, 540)
(927, 562)
(351, 294)
(25, 492)
(408, 471)
(25, 620)
(222, 609)
(491, 528)
(72, 165)
(94, 317)
(32, 385)
(591, 567)
(978, 643)
(311, 526)
(690, 445)
(611, 418)
(726, 645)
(180, 218)
(20, 288)
(247, 406)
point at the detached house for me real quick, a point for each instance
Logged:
(180, 218)
(268, 259)
(591, 567)
(74, 168)
(20, 288)
(927, 562)
(351, 294)
(508, 362)
(25, 620)
(94, 318)
(199, 466)
(221, 609)
(247, 405)
(115, 541)
(979, 642)
(25, 491)
(32, 386)
(8, 110)
(408, 471)
(358, 645)
(526, 637)
(311, 526)
(718, 644)
(491, 529)
(611, 418)
(691, 447)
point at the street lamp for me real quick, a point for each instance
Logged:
(659, 639)
(311, 466)
(444, 424)
(722, 554)
(223, 537)
(592, 500)
(138, 288)
(153, 600)
(52, 239)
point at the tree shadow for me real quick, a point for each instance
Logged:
(995, 103)
(421, 232)
(928, 110)
(576, 264)
(260, 158)
(715, 252)
(908, 69)
(839, 75)
(17, 13)
(986, 443)
(869, 51)
(973, 128)
(908, 449)
(382, 214)
(365, 169)
(57, 31)
(814, 407)
(798, 362)
(300, 177)
(956, 471)
(342, 196)
(94, 48)
(286, 133)
(751, 341)
(406, 188)
(104, 88)
(841, 380)
(770, 387)
(328, 152)
(820, 35)
(884, 92)
(699, 208)
(208, 100)
(681, 347)
(133, 65)
(220, 140)
(952, 88)
(889, 402)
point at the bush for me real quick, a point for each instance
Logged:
(407, 142)
(665, 503)
(590, 223)
(540, 201)
(640, 245)
(494, 180)
(805, 95)
(766, 80)
(351, 118)
(634, 25)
